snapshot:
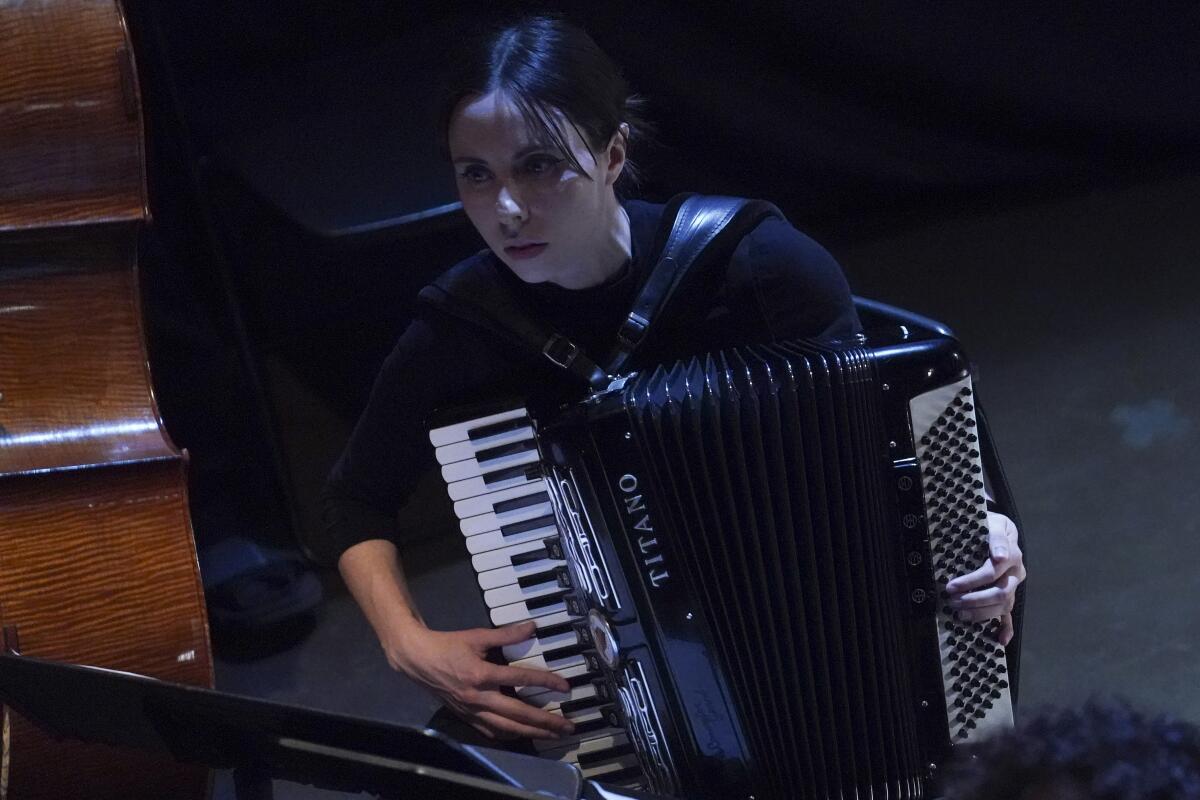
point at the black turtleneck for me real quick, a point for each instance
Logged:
(780, 284)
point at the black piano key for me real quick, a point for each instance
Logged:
(557, 575)
(582, 678)
(529, 557)
(561, 627)
(621, 775)
(507, 425)
(546, 600)
(607, 754)
(512, 449)
(524, 501)
(571, 706)
(600, 723)
(565, 652)
(576, 607)
(525, 525)
(527, 471)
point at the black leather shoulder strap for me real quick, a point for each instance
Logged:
(471, 292)
(704, 227)
(700, 231)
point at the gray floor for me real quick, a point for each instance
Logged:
(1082, 315)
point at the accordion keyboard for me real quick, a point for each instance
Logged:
(493, 475)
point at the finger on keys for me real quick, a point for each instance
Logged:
(983, 576)
(504, 727)
(979, 614)
(1005, 634)
(524, 676)
(991, 596)
(1003, 593)
(999, 528)
(548, 724)
(508, 634)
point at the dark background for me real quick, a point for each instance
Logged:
(1028, 173)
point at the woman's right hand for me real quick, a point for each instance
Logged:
(453, 665)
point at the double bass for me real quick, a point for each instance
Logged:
(97, 560)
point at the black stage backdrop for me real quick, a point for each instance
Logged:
(290, 145)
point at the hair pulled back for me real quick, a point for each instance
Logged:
(543, 64)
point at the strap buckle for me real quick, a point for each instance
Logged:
(633, 329)
(560, 350)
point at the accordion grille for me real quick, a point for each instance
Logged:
(768, 459)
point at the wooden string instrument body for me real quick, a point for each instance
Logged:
(97, 561)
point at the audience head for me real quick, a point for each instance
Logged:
(1104, 751)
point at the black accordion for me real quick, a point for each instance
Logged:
(738, 561)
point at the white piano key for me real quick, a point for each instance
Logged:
(502, 556)
(473, 487)
(491, 521)
(530, 692)
(448, 454)
(515, 593)
(589, 715)
(550, 701)
(596, 772)
(482, 504)
(503, 576)
(571, 754)
(519, 612)
(555, 619)
(470, 468)
(494, 540)
(448, 434)
(534, 645)
(539, 662)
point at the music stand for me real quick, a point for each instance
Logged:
(261, 740)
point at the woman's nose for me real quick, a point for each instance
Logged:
(508, 207)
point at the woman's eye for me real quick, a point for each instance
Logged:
(541, 165)
(474, 175)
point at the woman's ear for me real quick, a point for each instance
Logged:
(618, 145)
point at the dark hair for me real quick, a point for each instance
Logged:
(545, 63)
(1105, 751)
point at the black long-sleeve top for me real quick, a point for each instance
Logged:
(780, 284)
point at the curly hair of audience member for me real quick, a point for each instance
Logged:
(1106, 750)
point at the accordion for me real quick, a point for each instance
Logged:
(738, 562)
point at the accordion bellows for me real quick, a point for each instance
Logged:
(775, 513)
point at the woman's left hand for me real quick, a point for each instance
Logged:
(991, 590)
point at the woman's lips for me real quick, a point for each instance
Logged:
(526, 250)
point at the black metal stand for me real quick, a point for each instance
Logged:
(264, 741)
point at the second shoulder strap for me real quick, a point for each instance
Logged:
(701, 228)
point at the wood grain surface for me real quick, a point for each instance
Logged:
(97, 560)
(71, 146)
(74, 385)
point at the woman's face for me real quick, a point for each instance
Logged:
(540, 215)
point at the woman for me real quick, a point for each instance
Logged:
(538, 130)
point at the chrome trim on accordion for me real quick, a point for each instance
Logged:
(645, 729)
(585, 560)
